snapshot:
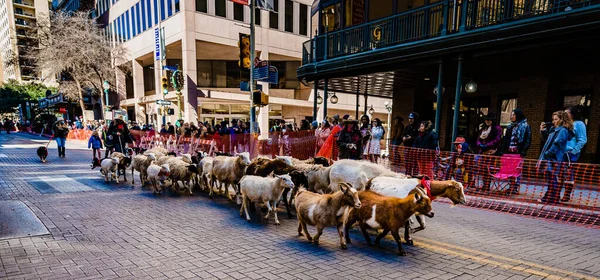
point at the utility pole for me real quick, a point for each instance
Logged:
(161, 36)
(252, 57)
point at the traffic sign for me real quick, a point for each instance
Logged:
(169, 68)
(261, 73)
(163, 102)
(273, 75)
(245, 86)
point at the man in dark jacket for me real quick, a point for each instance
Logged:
(410, 135)
(120, 134)
(350, 141)
(171, 128)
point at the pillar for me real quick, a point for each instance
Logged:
(138, 90)
(188, 58)
(315, 104)
(438, 110)
(457, 99)
(325, 97)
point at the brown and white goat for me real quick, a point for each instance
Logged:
(387, 213)
(325, 210)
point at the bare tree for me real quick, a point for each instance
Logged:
(74, 45)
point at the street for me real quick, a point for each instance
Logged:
(104, 231)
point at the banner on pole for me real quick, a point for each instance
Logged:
(156, 44)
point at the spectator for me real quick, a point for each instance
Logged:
(276, 127)
(95, 142)
(554, 152)
(458, 168)
(304, 125)
(60, 131)
(488, 143)
(517, 140)
(377, 132)
(163, 129)
(397, 131)
(410, 134)
(426, 139)
(574, 148)
(365, 129)
(322, 134)
(314, 125)
(119, 134)
(350, 141)
(108, 141)
(170, 128)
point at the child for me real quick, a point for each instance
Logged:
(95, 143)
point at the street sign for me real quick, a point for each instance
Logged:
(169, 68)
(273, 75)
(156, 44)
(260, 63)
(261, 73)
(163, 102)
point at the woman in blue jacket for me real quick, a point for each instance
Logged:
(574, 148)
(95, 142)
(554, 152)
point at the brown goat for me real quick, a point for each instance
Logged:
(325, 210)
(387, 213)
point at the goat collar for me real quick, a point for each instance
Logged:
(161, 173)
(427, 186)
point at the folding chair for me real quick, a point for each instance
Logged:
(511, 166)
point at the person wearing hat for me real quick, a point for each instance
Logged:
(60, 131)
(408, 139)
(350, 141)
(119, 134)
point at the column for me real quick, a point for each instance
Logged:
(315, 104)
(188, 58)
(438, 110)
(325, 97)
(457, 99)
(138, 90)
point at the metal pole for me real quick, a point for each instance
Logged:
(252, 55)
(325, 97)
(389, 130)
(438, 109)
(316, 93)
(457, 99)
(162, 54)
(357, 102)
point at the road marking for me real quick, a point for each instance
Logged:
(483, 257)
(64, 184)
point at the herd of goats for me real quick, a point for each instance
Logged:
(345, 193)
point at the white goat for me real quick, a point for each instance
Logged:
(268, 190)
(229, 171)
(109, 166)
(140, 164)
(357, 173)
(157, 176)
(317, 177)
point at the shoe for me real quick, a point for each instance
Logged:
(565, 199)
(541, 200)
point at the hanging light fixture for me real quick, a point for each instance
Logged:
(435, 90)
(471, 87)
(319, 99)
(334, 99)
(371, 110)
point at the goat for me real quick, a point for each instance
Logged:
(124, 163)
(157, 176)
(141, 163)
(358, 173)
(386, 213)
(109, 166)
(400, 188)
(268, 190)
(229, 171)
(324, 210)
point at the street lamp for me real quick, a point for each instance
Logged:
(471, 87)
(319, 99)
(388, 107)
(106, 87)
(371, 110)
(334, 99)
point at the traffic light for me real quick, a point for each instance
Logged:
(259, 98)
(177, 79)
(171, 111)
(244, 62)
(165, 85)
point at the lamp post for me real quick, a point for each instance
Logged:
(388, 107)
(106, 87)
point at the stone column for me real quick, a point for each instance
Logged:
(138, 89)
(188, 58)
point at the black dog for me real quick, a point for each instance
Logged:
(95, 163)
(138, 150)
(123, 164)
(42, 153)
(223, 154)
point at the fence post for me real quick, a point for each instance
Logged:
(463, 15)
(445, 19)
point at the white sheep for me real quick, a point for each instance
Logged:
(109, 166)
(229, 171)
(317, 177)
(206, 173)
(157, 176)
(157, 151)
(140, 164)
(268, 190)
(357, 173)
(181, 171)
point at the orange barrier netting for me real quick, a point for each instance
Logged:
(502, 183)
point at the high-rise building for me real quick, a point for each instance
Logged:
(201, 37)
(17, 17)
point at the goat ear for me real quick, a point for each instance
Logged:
(418, 197)
(344, 188)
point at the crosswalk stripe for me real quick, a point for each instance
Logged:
(64, 184)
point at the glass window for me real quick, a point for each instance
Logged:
(233, 74)
(163, 12)
(507, 105)
(134, 30)
(202, 6)
(169, 8)
(155, 11)
(257, 16)
(149, 84)
(149, 14)
(129, 86)
(177, 6)
(219, 73)
(220, 8)
(273, 16)
(238, 12)
(289, 16)
(355, 12)
(127, 23)
(138, 18)
(303, 30)
(204, 73)
(143, 15)
(331, 17)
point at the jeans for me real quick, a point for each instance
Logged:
(60, 142)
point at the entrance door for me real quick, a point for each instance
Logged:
(470, 116)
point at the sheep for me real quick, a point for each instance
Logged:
(109, 166)
(268, 190)
(182, 171)
(315, 160)
(324, 210)
(157, 176)
(185, 157)
(141, 163)
(157, 151)
(318, 178)
(205, 166)
(358, 173)
(229, 171)
(124, 163)
(386, 213)
(400, 188)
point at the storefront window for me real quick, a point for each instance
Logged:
(355, 12)
(579, 98)
(507, 105)
(331, 17)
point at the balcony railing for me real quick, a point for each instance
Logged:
(23, 3)
(431, 21)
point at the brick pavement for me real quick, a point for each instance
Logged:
(115, 231)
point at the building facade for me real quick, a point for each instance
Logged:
(201, 37)
(17, 17)
(534, 55)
